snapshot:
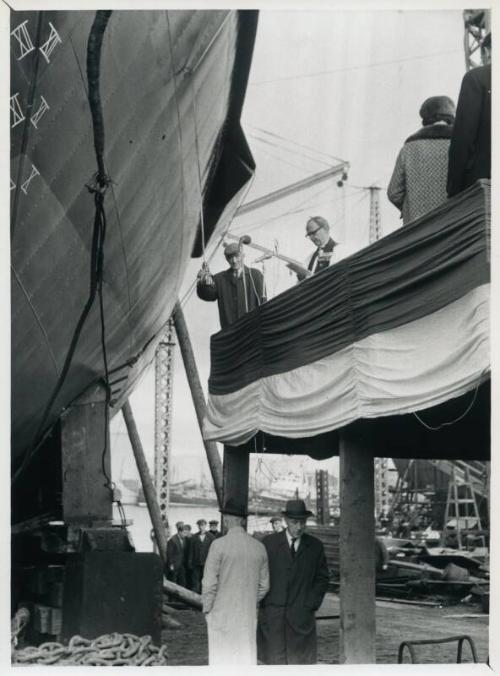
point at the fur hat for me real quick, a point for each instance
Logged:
(437, 108)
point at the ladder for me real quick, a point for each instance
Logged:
(462, 507)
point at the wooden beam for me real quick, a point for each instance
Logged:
(293, 188)
(85, 496)
(146, 482)
(199, 402)
(357, 552)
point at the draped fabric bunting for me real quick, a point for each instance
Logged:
(401, 326)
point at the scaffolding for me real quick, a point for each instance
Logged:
(477, 24)
(164, 365)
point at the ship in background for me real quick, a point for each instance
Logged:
(150, 100)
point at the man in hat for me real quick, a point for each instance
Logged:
(418, 182)
(176, 571)
(198, 551)
(276, 524)
(236, 578)
(212, 528)
(470, 147)
(299, 580)
(237, 290)
(318, 231)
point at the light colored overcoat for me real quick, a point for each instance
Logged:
(236, 578)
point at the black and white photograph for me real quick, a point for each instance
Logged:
(247, 375)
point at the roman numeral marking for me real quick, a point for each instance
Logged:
(48, 47)
(44, 106)
(23, 38)
(17, 115)
(25, 185)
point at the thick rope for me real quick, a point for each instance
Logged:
(109, 650)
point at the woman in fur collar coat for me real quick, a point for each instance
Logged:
(418, 182)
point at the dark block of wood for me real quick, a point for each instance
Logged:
(107, 592)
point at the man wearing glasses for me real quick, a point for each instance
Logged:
(318, 231)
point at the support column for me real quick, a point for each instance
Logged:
(235, 471)
(357, 553)
(84, 434)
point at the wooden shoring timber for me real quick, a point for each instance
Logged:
(214, 461)
(146, 482)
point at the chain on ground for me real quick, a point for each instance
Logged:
(107, 650)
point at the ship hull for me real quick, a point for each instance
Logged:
(171, 90)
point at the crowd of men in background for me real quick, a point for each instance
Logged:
(187, 553)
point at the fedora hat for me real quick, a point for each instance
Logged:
(234, 508)
(296, 509)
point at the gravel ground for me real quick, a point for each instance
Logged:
(395, 623)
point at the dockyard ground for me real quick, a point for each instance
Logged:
(395, 623)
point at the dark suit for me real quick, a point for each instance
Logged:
(470, 147)
(176, 571)
(229, 291)
(198, 552)
(320, 259)
(287, 625)
(187, 556)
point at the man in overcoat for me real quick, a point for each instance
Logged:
(236, 578)
(470, 147)
(299, 580)
(187, 534)
(175, 556)
(212, 528)
(237, 290)
(198, 552)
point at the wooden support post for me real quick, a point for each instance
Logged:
(189, 597)
(85, 497)
(200, 405)
(236, 473)
(357, 553)
(147, 482)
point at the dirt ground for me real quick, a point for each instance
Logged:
(395, 623)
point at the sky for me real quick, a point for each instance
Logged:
(323, 85)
